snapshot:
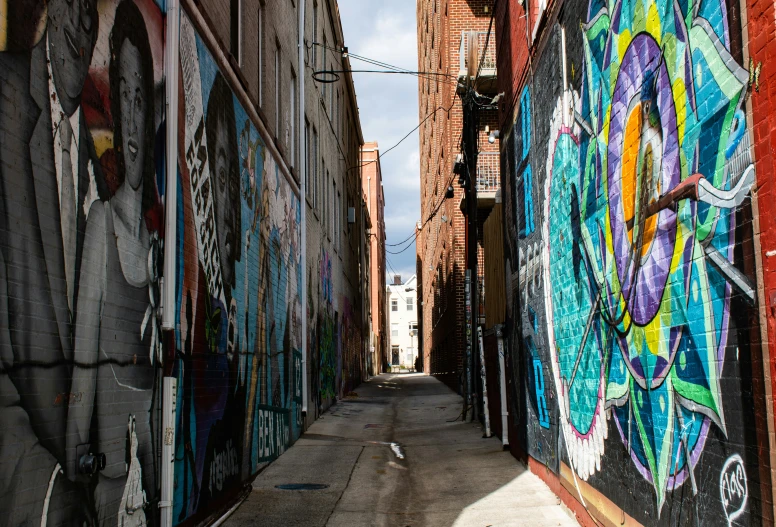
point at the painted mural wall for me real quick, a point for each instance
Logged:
(630, 243)
(238, 343)
(82, 355)
(81, 227)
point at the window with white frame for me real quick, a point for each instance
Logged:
(277, 90)
(315, 169)
(292, 125)
(338, 222)
(315, 35)
(331, 97)
(324, 194)
(307, 192)
(261, 53)
(410, 303)
(394, 304)
(332, 208)
(394, 330)
(323, 66)
(235, 33)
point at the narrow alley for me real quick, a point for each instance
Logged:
(398, 454)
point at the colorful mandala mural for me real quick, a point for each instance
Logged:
(646, 167)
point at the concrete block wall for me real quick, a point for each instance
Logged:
(639, 322)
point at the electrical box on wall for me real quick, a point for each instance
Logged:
(351, 215)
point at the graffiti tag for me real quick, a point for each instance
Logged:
(223, 466)
(273, 432)
(733, 488)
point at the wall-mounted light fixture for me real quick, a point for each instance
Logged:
(493, 136)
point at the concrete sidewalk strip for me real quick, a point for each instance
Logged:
(419, 467)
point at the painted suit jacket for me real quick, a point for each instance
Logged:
(38, 352)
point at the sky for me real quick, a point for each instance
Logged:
(384, 30)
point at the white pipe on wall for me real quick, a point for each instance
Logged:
(503, 382)
(485, 408)
(171, 163)
(303, 200)
(169, 407)
(169, 388)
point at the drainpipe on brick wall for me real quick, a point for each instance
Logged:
(303, 201)
(503, 382)
(171, 163)
(169, 387)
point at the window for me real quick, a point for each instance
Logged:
(394, 304)
(322, 190)
(292, 126)
(323, 67)
(410, 305)
(331, 96)
(337, 116)
(394, 330)
(277, 90)
(315, 34)
(315, 169)
(335, 213)
(235, 32)
(331, 206)
(308, 194)
(338, 223)
(261, 54)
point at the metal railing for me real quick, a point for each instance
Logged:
(488, 171)
(488, 63)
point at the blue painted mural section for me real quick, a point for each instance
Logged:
(239, 349)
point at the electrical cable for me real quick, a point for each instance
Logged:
(375, 62)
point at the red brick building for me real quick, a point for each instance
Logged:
(445, 46)
(372, 182)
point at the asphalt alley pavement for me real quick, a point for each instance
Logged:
(395, 455)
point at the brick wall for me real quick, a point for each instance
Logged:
(441, 248)
(639, 316)
(372, 181)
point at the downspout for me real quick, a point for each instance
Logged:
(169, 387)
(171, 163)
(503, 382)
(485, 408)
(303, 200)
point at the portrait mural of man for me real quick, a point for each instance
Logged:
(49, 175)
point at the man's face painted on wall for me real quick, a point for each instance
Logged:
(133, 104)
(227, 195)
(71, 28)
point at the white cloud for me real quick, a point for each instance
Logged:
(393, 40)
